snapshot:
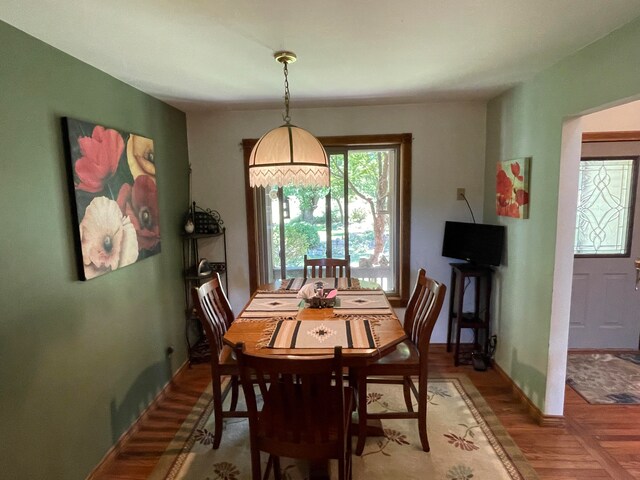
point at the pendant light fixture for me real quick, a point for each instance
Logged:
(288, 155)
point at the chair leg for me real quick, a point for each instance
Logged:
(406, 388)
(255, 464)
(277, 473)
(344, 467)
(217, 411)
(349, 464)
(234, 393)
(422, 413)
(267, 469)
(353, 383)
(362, 412)
(456, 352)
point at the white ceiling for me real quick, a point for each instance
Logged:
(218, 53)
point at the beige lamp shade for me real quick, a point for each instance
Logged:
(288, 155)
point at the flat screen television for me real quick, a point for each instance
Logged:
(477, 243)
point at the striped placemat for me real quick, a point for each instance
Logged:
(372, 302)
(322, 334)
(272, 305)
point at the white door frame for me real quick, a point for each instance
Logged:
(563, 266)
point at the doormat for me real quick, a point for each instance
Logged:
(604, 378)
(467, 442)
(631, 357)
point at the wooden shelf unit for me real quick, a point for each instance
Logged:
(479, 318)
(197, 346)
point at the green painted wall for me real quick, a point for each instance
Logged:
(78, 360)
(527, 121)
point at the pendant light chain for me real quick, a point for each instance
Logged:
(287, 118)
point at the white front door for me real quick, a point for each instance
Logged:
(605, 306)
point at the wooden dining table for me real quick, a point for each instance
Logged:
(357, 301)
(273, 303)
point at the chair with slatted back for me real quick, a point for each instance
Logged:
(214, 312)
(327, 267)
(409, 359)
(306, 412)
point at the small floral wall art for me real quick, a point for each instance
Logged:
(512, 188)
(113, 183)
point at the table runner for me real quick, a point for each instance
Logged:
(322, 334)
(265, 305)
(295, 284)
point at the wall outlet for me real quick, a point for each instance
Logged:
(460, 194)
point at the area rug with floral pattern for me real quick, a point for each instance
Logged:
(467, 442)
(605, 377)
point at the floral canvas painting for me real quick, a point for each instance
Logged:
(512, 188)
(113, 180)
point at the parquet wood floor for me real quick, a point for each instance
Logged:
(597, 441)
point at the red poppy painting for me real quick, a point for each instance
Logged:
(113, 182)
(512, 188)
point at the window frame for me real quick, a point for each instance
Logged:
(403, 141)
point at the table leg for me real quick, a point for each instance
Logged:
(320, 470)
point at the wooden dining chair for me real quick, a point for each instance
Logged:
(327, 267)
(306, 411)
(409, 359)
(213, 310)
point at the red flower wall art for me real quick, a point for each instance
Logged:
(113, 183)
(512, 188)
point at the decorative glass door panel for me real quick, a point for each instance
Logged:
(606, 197)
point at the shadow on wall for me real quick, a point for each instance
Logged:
(534, 381)
(138, 397)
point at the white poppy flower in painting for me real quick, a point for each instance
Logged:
(108, 238)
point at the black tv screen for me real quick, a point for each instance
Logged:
(477, 243)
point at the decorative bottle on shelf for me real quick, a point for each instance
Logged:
(189, 227)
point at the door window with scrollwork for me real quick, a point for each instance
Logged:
(606, 198)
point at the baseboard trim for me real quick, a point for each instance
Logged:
(113, 452)
(611, 351)
(535, 413)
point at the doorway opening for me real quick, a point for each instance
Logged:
(605, 306)
(598, 207)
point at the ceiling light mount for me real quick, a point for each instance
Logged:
(285, 57)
